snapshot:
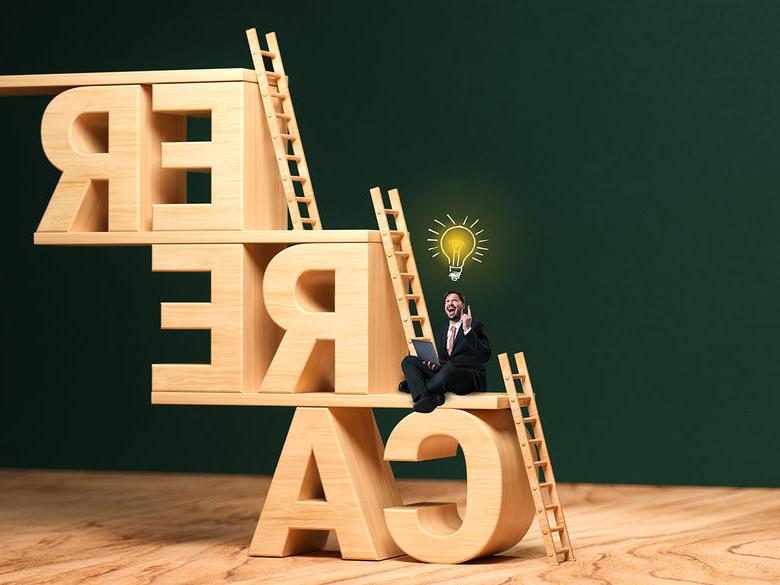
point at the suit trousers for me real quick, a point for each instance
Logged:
(421, 379)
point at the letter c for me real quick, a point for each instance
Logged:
(499, 506)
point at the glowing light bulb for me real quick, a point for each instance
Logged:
(457, 243)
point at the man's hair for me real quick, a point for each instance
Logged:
(452, 291)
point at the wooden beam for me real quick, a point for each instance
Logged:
(474, 401)
(53, 83)
(204, 237)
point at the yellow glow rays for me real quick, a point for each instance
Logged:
(458, 243)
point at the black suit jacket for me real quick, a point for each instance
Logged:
(470, 352)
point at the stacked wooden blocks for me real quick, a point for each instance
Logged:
(303, 317)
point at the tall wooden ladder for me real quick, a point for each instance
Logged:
(285, 135)
(537, 461)
(403, 268)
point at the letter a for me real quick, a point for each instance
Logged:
(353, 487)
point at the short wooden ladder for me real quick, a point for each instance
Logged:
(538, 465)
(285, 134)
(403, 268)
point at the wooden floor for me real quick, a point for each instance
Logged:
(98, 527)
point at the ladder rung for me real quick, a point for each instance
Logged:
(529, 419)
(397, 233)
(550, 506)
(564, 550)
(556, 528)
(536, 441)
(418, 318)
(393, 212)
(409, 275)
(400, 253)
(541, 462)
(518, 376)
(412, 297)
(422, 339)
(545, 484)
(273, 84)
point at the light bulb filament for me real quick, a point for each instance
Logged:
(458, 243)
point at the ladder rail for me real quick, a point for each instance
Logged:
(533, 478)
(411, 263)
(292, 125)
(402, 268)
(541, 445)
(542, 461)
(279, 112)
(389, 248)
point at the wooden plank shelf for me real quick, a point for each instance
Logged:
(53, 83)
(204, 237)
(474, 401)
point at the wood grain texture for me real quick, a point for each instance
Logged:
(52, 83)
(408, 290)
(340, 328)
(538, 463)
(392, 399)
(100, 527)
(284, 132)
(499, 506)
(122, 151)
(243, 338)
(246, 192)
(330, 476)
(280, 236)
(95, 134)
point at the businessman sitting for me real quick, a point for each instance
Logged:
(463, 350)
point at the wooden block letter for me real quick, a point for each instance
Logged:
(499, 507)
(93, 135)
(330, 476)
(243, 338)
(246, 190)
(106, 140)
(340, 320)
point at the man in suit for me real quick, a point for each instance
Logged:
(463, 350)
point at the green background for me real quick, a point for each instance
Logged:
(622, 156)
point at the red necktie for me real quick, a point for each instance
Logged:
(451, 339)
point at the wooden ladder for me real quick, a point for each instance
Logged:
(403, 268)
(537, 459)
(277, 103)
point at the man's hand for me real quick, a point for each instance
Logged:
(466, 320)
(432, 366)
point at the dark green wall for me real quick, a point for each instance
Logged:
(624, 156)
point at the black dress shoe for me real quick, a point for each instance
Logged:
(428, 402)
(403, 387)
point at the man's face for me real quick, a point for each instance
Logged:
(453, 306)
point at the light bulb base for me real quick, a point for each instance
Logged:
(455, 272)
